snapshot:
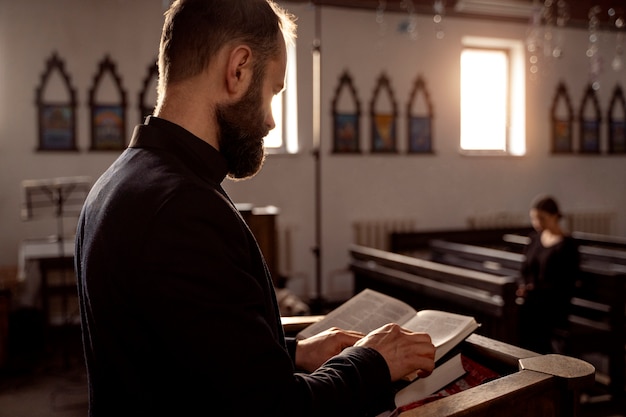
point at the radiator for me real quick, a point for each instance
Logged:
(498, 220)
(600, 222)
(376, 233)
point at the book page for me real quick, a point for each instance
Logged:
(443, 328)
(366, 311)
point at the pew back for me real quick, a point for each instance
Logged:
(597, 317)
(404, 242)
(490, 298)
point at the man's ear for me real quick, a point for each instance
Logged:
(239, 70)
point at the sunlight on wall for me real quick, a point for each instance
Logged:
(484, 97)
(284, 137)
(492, 96)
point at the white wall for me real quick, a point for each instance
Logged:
(439, 190)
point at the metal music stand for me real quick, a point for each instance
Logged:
(57, 198)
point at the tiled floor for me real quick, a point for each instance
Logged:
(45, 383)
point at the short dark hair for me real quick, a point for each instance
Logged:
(195, 30)
(546, 204)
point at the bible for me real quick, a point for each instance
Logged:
(369, 309)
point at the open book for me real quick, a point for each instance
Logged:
(369, 309)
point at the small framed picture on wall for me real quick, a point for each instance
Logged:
(419, 111)
(617, 136)
(589, 136)
(617, 122)
(589, 118)
(383, 133)
(108, 117)
(420, 136)
(108, 126)
(383, 119)
(346, 110)
(562, 116)
(561, 136)
(57, 127)
(346, 133)
(57, 116)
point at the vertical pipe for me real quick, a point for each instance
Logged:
(317, 304)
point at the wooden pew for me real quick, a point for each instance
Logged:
(404, 242)
(597, 255)
(490, 298)
(597, 321)
(476, 257)
(604, 241)
(604, 245)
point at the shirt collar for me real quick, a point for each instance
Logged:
(201, 157)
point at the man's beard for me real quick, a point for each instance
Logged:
(241, 132)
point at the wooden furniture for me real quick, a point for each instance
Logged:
(490, 298)
(517, 242)
(597, 317)
(596, 239)
(5, 302)
(263, 224)
(8, 285)
(59, 294)
(531, 385)
(30, 256)
(415, 242)
(475, 257)
(293, 324)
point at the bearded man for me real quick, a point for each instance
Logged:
(178, 311)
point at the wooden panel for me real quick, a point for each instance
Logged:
(548, 386)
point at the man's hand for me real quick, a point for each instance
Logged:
(405, 352)
(312, 352)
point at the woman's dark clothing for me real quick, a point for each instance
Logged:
(178, 309)
(553, 272)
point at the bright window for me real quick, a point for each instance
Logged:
(492, 97)
(284, 137)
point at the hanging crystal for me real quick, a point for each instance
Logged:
(544, 41)
(562, 16)
(440, 9)
(409, 26)
(380, 18)
(595, 61)
(534, 39)
(618, 21)
(548, 34)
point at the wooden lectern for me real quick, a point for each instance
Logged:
(530, 385)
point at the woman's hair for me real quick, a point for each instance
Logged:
(195, 30)
(546, 204)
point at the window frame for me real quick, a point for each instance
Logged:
(289, 109)
(515, 122)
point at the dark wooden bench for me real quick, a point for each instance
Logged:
(415, 242)
(604, 241)
(490, 298)
(604, 245)
(597, 319)
(476, 257)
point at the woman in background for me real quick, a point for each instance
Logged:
(549, 273)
